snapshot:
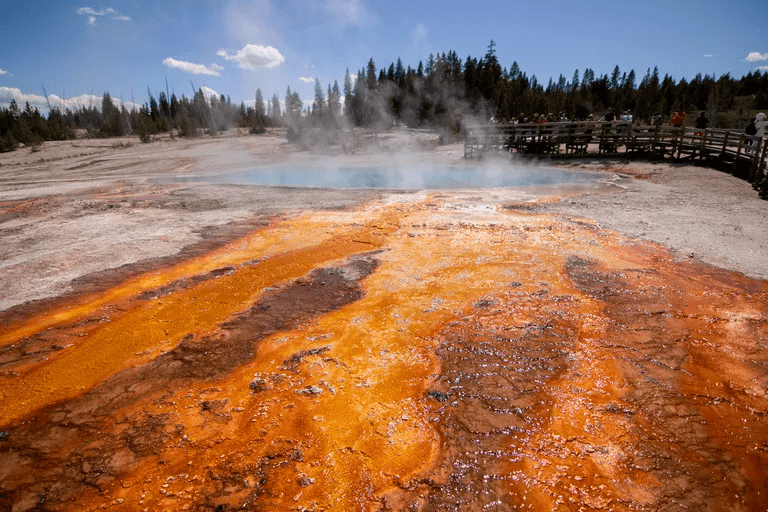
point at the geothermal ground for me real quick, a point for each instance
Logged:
(177, 345)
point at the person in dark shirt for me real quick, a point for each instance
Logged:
(702, 122)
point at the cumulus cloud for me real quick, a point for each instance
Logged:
(756, 56)
(307, 79)
(254, 56)
(108, 12)
(347, 12)
(8, 94)
(762, 68)
(209, 93)
(190, 67)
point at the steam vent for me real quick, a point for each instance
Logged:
(412, 353)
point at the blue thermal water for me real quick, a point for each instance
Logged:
(404, 178)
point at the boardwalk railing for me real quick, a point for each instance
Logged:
(734, 152)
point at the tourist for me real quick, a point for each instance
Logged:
(702, 122)
(756, 127)
(751, 130)
(760, 125)
(760, 132)
(677, 119)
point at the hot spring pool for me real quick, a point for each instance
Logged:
(404, 178)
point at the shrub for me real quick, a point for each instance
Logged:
(187, 126)
(145, 133)
(7, 143)
(258, 127)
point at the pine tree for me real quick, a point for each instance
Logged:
(276, 113)
(629, 83)
(318, 106)
(575, 81)
(371, 75)
(348, 91)
(400, 73)
(430, 64)
(112, 121)
(615, 76)
(293, 105)
(258, 106)
(334, 100)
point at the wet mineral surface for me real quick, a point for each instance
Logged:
(418, 353)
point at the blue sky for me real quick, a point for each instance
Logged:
(234, 46)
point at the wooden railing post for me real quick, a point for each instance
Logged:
(761, 184)
(738, 154)
(755, 159)
(725, 145)
(625, 136)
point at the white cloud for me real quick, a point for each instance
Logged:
(3, 72)
(190, 67)
(210, 93)
(347, 12)
(7, 94)
(254, 56)
(88, 10)
(419, 34)
(92, 13)
(708, 55)
(762, 68)
(307, 79)
(756, 56)
(116, 15)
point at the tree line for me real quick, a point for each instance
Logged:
(187, 117)
(443, 93)
(446, 90)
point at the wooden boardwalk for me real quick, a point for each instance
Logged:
(731, 151)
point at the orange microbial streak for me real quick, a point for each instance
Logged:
(418, 354)
(160, 324)
(281, 237)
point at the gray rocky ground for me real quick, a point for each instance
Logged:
(69, 209)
